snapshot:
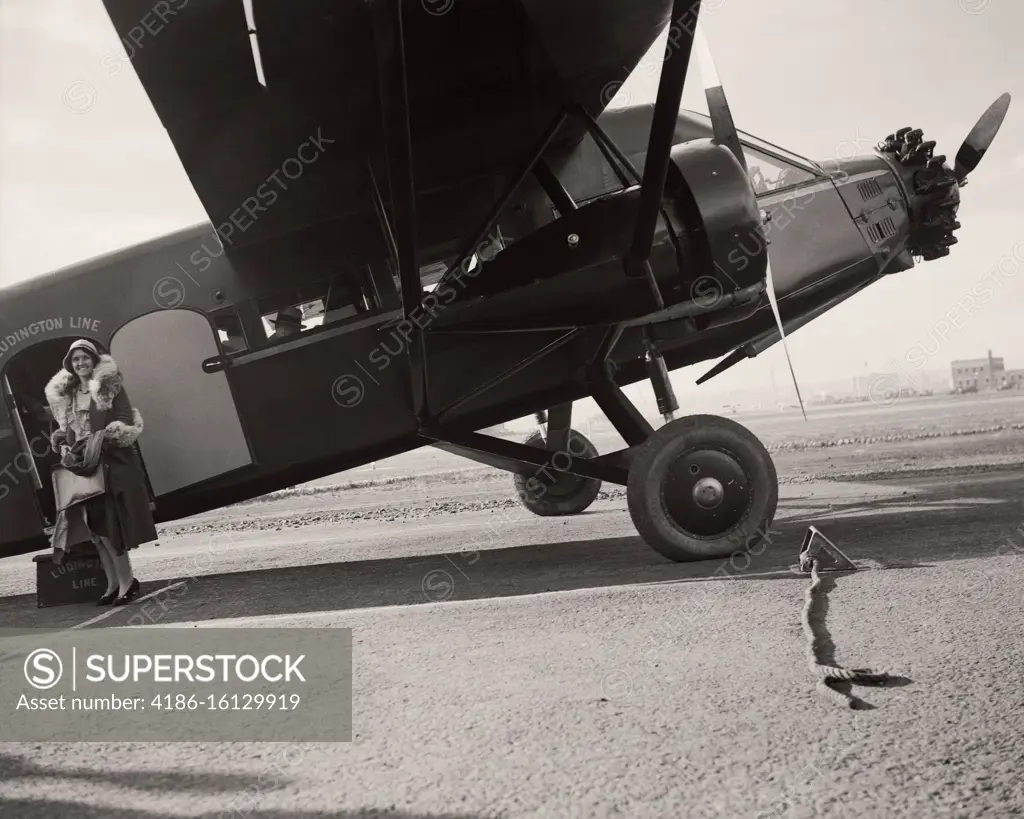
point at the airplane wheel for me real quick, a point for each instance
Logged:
(702, 487)
(565, 495)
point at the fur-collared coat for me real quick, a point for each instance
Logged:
(129, 518)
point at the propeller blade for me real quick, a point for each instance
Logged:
(722, 125)
(980, 138)
(782, 336)
(724, 130)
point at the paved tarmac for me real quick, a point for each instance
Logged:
(561, 668)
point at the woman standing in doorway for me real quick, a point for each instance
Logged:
(87, 398)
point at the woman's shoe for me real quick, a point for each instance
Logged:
(108, 598)
(128, 596)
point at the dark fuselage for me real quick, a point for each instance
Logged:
(338, 396)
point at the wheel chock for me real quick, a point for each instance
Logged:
(818, 548)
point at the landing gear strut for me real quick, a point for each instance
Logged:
(660, 382)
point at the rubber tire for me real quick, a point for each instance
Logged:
(553, 503)
(650, 467)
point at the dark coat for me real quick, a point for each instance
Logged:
(128, 515)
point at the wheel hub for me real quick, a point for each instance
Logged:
(706, 492)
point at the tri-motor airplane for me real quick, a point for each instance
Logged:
(435, 197)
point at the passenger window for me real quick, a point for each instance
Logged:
(285, 322)
(229, 331)
(320, 304)
(344, 299)
(768, 173)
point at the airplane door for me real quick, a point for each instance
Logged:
(192, 429)
(20, 516)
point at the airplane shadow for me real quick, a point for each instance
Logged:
(246, 790)
(926, 525)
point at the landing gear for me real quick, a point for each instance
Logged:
(553, 490)
(702, 487)
(699, 488)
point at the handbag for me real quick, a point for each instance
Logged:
(69, 488)
(70, 485)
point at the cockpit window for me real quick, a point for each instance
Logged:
(767, 173)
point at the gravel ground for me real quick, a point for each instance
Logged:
(515, 666)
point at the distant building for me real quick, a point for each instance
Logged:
(981, 374)
(1011, 380)
(874, 385)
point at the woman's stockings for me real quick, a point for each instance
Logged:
(118, 568)
(106, 558)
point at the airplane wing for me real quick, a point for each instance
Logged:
(291, 148)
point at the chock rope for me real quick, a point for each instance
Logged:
(828, 674)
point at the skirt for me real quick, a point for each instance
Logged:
(102, 519)
(96, 516)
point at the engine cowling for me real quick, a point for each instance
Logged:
(716, 210)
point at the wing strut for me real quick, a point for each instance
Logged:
(663, 125)
(394, 100)
(652, 190)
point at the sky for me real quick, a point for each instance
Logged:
(86, 167)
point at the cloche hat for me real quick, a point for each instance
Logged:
(81, 344)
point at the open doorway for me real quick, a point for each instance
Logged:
(24, 387)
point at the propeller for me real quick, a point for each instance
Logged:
(980, 138)
(724, 133)
(933, 187)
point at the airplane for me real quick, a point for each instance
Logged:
(460, 232)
